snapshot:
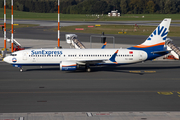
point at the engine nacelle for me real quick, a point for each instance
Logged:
(67, 66)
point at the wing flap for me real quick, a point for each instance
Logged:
(91, 61)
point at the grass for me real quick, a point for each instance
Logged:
(85, 17)
(141, 17)
(114, 29)
(45, 16)
(108, 29)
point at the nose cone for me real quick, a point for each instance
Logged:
(6, 59)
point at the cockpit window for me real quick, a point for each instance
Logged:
(13, 54)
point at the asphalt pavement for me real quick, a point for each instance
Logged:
(149, 86)
(143, 87)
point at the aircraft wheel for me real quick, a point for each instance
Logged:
(88, 69)
(21, 69)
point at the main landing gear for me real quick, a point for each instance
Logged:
(88, 69)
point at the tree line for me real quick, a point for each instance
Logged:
(96, 6)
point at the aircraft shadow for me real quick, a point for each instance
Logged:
(121, 69)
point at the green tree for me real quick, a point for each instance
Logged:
(168, 6)
(162, 6)
(116, 4)
(1, 4)
(150, 6)
(38, 7)
(124, 6)
(96, 6)
(99, 7)
(21, 7)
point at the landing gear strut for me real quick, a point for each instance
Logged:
(88, 69)
(21, 69)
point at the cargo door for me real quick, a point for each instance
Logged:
(140, 55)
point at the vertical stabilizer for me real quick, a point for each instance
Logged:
(158, 36)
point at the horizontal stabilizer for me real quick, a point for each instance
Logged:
(160, 52)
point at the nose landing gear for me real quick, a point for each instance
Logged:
(21, 69)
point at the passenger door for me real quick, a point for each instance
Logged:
(24, 56)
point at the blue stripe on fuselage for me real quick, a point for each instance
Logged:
(36, 64)
(149, 51)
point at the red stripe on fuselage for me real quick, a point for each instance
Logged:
(145, 46)
(68, 65)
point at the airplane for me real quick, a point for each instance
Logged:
(71, 59)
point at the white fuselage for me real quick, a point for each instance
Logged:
(55, 56)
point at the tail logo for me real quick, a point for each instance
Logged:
(159, 31)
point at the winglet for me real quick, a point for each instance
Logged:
(112, 59)
(104, 45)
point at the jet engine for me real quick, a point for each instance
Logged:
(67, 66)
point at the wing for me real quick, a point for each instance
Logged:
(112, 59)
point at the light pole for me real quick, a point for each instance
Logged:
(5, 25)
(12, 47)
(58, 24)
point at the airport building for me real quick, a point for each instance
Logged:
(114, 13)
